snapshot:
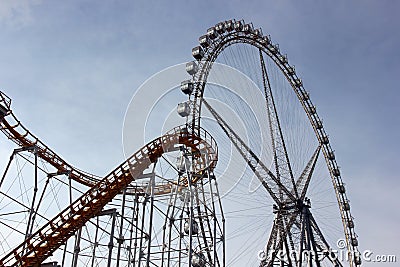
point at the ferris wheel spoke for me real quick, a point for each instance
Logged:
(281, 156)
(305, 178)
(274, 186)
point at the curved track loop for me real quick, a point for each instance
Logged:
(20, 135)
(232, 32)
(53, 234)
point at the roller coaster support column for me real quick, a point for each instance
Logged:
(29, 227)
(111, 243)
(77, 248)
(120, 239)
(152, 185)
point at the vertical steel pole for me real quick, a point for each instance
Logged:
(302, 218)
(77, 248)
(214, 219)
(189, 177)
(95, 241)
(181, 237)
(70, 202)
(163, 248)
(78, 234)
(152, 185)
(136, 228)
(223, 238)
(121, 228)
(111, 244)
(40, 201)
(35, 189)
(170, 221)
(142, 230)
(134, 216)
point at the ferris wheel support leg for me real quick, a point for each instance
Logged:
(314, 246)
(288, 252)
(292, 256)
(318, 232)
(307, 241)
(301, 240)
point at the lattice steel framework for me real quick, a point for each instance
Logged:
(134, 216)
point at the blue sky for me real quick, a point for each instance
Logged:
(71, 68)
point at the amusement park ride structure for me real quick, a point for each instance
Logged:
(164, 214)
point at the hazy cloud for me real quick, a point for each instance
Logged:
(17, 13)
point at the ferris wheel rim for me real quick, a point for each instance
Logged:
(220, 38)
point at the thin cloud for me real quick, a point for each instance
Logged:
(17, 13)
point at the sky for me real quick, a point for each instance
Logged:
(71, 68)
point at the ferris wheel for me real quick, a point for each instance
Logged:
(245, 92)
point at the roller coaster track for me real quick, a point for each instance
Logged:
(21, 136)
(41, 244)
